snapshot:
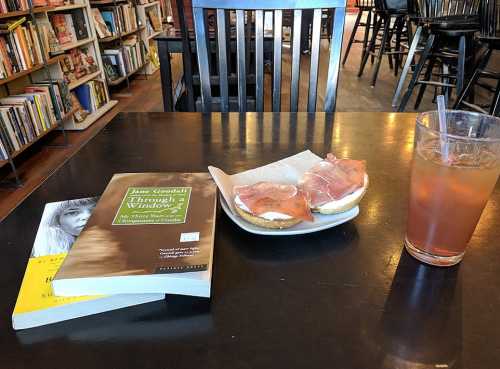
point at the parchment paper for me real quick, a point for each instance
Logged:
(285, 171)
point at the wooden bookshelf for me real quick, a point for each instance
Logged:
(66, 7)
(75, 44)
(81, 81)
(20, 13)
(29, 71)
(72, 125)
(38, 138)
(121, 79)
(124, 34)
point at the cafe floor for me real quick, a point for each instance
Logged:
(144, 95)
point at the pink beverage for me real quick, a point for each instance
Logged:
(448, 193)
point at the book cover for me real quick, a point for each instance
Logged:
(109, 20)
(36, 304)
(150, 233)
(100, 25)
(62, 29)
(79, 24)
(83, 94)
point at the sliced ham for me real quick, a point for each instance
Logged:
(263, 197)
(332, 179)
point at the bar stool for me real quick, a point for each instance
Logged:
(362, 6)
(389, 13)
(490, 38)
(450, 38)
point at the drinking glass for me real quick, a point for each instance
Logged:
(452, 177)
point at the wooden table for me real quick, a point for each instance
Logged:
(348, 297)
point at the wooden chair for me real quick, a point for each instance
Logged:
(254, 11)
(490, 38)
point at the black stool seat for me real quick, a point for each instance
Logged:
(456, 23)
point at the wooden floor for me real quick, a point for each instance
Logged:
(354, 94)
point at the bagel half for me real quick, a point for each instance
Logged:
(265, 223)
(339, 206)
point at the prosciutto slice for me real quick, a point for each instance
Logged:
(332, 179)
(263, 197)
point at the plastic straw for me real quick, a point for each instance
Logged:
(442, 126)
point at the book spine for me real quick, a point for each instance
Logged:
(10, 130)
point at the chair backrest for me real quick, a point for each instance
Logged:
(490, 18)
(255, 10)
(444, 8)
(365, 3)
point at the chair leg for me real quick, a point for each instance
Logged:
(371, 47)
(406, 67)
(495, 106)
(483, 61)
(353, 35)
(423, 86)
(445, 89)
(383, 45)
(461, 65)
(375, 22)
(418, 70)
(398, 57)
(368, 24)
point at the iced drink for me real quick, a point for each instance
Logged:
(449, 190)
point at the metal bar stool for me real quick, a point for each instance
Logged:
(391, 15)
(450, 26)
(362, 6)
(490, 38)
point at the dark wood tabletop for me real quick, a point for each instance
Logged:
(347, 297)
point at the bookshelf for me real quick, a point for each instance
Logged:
(122, 51)
(149, 32)
(40, 63)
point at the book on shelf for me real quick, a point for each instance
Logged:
(100, 25)
(117, 19)
(48, 35)
(124, 60)
(91, 95)
(7, 6)
(154, 18)
(77, 63)
(19, 48)
(149, 233)
(70, 27)
(36, 304)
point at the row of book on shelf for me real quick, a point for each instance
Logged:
(24, 117)
(121, 61)
(111, 21)
(7, 6)
(86, 257)
(69, 27)
(19, 47)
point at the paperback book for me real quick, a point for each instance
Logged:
(150, 233)
(36, 303)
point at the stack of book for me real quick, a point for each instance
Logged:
(150, 234)
(122, 61)
(115, 20)
(70, 27)
(91, 95)
(13, 5)
(25, 117)
(19, 47)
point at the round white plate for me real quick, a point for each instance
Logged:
(321, 222)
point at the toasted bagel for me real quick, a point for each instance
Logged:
(261, 222)
(339, 206)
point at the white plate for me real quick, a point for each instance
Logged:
(321, 222)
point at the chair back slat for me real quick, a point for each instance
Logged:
(240, 50)
(313, 71)
(222, 52)
(294, 86)
(278, 17)
(202, 54)
(490, 18)
(244, 42)
(259, 60)
(334, 63)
